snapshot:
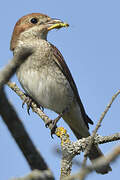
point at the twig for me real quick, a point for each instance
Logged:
(102, 161)
(97, 127)
(34, 106)
(69, 150)
(81, 144)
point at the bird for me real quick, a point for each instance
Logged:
(46, 78)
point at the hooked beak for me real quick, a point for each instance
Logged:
(56, 24)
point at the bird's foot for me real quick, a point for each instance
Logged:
(53, 123)
(28, 100)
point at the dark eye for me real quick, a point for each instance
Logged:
(34, 20)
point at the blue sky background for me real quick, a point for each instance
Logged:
(91, 48)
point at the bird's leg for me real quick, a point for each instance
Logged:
(28, 100)
(54, 122)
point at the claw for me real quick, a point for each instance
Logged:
(53, 130)
(53, 124)
(41, 107)
(28, 101)
(23, 104)
(48, 123)
(28, 110)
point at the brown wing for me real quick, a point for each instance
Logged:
(64, 68)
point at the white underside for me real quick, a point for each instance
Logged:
(47, 85)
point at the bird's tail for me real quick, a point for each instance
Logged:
(94, 154)
(75, 121)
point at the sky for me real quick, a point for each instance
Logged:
(91, 48)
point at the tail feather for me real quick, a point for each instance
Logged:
(74, 119)
(94, 154)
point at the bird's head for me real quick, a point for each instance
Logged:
(34, 25)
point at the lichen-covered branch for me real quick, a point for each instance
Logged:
(102, 161)
(67, 155)
(71, 149)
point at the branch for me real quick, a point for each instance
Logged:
(20, 135)
(37, 175)
(11, 118)
(34, 106)
(12, 66)
(102, 161)
(97, 127)
(67, 155)
(71, 149)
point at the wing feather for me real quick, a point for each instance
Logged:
(58, 58)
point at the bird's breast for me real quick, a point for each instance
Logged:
(46, 84)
